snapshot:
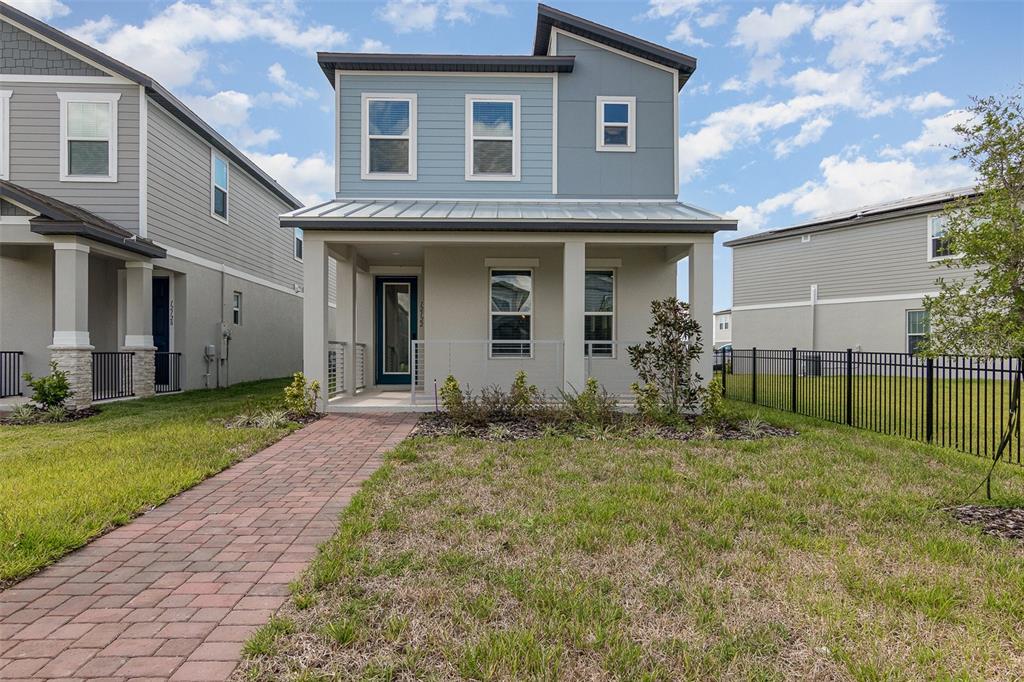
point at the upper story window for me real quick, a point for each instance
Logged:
(938, 244)
(599, 312)
(5, 134)
(297, 243)
(511, 326)
(616, 124)
(219, 183)
(492, 137)
(88, 136)
(389, 137)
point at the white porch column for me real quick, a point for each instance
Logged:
(346, 299)
(702, 281)
(138, 334)
(71, 349)
(314, 313)
(573, 282)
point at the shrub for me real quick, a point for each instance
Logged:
(591, 406)
(522, 397)
(461, 406)
(300, 397)
(54, 414)
(451, 395)
(665, 360)
(648, 403)
(711, 403)
(52, 390)
(23, 414)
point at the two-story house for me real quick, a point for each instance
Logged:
(723, 328)
(855, 279)
(138, 248)
(496, 213)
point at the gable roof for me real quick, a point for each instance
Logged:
(361, 61)
(159, 93)
(862, 215)
(549, 17)
(56, 217)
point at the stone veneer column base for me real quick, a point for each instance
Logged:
(77, 362)
(143, 370)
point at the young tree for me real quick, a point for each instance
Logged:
(665, 361)
(984, 315)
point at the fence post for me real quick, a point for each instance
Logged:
(929, 393)
(792, 371)
(753, 375)
(723, 371)
(849, 387)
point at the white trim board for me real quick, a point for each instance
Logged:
(78, 80)
(143, 162)
(226, 269)
(837, 301)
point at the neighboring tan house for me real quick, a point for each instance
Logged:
(496, 213)
(723, 328)
(852, 280)
(138, 248)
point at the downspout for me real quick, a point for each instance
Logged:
(814, 303)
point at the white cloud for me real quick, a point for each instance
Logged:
(936, 135)
(932, 100)
(42, 9)
(168, 46)
(733, 84)
(877, 32)
(310, 179)
(462, 10)
(897, 69)
(683, 33)
(228, 111)
(659, 9)
(290, 92)
(374, 45)
(764, 33)
(406, 16)
(712, 19)
(810, 132)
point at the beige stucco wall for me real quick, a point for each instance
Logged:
(26, 304)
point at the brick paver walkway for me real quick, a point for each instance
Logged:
(173, 594)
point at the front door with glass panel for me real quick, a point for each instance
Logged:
(396, 328)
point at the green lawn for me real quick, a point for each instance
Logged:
(823, 556)
(62, 484)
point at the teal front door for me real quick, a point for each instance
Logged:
(396, 328)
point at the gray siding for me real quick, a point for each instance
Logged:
(179, 207)
(881, 259)
(35, 150)
(9, 209)
(24, 54)
(585, 172)
(441, 133)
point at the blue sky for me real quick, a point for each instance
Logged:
(796, 109)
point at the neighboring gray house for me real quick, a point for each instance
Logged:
(722, 335)
(851, 280)
(138, 247)
(496, 213)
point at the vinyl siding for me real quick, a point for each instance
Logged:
(441, 135)
(880, 259)
(35, 150)
(179, 207)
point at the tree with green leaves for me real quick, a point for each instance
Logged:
(983, 315)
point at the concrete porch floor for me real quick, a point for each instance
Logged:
(378, 399)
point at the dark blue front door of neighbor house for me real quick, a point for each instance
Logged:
(395, 313)
(162, 326)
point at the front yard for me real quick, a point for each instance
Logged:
(62, 484)
(823, 556)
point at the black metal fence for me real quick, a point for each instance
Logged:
(952, 401)
(112, 375)
(167, 372)
(10, 373)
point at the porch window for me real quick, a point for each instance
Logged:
(5, 134)
(511, 313)
(389, 137)
(599, 312)
(236, 307)
(88, 136)
(219, 183)
(616, 124)
(917, 329)
(492, 137)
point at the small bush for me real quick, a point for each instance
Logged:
(753, 426)
(522, 397)
(24, 414)
(253, 418)
(54, 414)
(52, 390)
(451, 395)
(591, 406)
(712, 404)
(300, 397)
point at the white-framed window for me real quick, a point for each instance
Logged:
(511, 318)
(938, 244)
(236, 307)
(599, 312)
(616, 124)
(492, 137)
(917, 329)
(220, 183)
(5, 134)
(297, 243)
(389, 137)
(88, 136)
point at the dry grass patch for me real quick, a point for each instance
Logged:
(823, 556)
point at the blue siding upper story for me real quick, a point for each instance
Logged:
(441, 135)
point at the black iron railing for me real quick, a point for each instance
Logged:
(10, 373)
(112, 375)
(953, 401)
(167, 372)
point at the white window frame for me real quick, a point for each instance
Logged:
(110, 98)
(214, 157)
(364, 162)
(298, 237)
(612, 314)
(516, 139)
(5, 134)
(630, 145)
(236, 308)
(906, 326)
(932, 258)
(490, 315)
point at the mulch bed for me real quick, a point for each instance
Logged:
(1002, 522)
(72, 416)
(505, 430)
